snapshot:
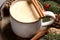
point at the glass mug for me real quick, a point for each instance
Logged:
(25, 21)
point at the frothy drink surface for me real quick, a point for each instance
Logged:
(22, 12)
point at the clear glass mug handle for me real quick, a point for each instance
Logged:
(48, 13)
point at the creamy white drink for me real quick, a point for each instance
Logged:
(22, 12)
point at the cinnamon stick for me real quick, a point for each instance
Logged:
(39, 34)
(38, 7)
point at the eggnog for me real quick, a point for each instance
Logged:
(22, 12)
